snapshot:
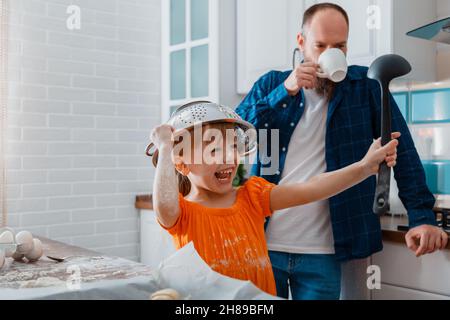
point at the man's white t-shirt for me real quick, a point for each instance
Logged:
(305, 229)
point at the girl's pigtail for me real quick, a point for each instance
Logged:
(184, 185)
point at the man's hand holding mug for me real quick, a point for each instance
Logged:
(332, 64)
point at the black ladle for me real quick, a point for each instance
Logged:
(384, 70)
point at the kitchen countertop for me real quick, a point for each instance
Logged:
(92, 267)
(389, 224)
(88, 275)
(144, 202)
(418, 86)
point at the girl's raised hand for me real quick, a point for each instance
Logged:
(378, 154)
(162, 136)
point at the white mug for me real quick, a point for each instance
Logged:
(333, 65)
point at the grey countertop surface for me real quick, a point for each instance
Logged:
(89, 265)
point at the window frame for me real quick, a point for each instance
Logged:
(166, 49)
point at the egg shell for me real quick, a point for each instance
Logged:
(18, 256)
(3, 230)
(162, 297)
(166, 294)
(7, 237)
(24, 240)
(36, 253)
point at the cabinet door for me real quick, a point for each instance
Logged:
(368, 20)
(156, 243)
(388, 292)
(266, 37)
(400, 268)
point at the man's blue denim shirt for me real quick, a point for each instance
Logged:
(353, 123)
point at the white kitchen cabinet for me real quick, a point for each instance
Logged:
(388, 292)
(401, 269)
(267, 35)
(266, 38)
(156, 243)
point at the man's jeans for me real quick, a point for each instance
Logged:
(309, 276)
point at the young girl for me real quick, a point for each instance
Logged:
(196, 202)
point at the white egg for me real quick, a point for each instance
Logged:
(2, 259)
(7, 237)
(18, 256)
(24, 240)
(36, 253)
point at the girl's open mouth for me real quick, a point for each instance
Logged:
(224, 175)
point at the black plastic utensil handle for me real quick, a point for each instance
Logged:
(384, 69)
(381, 203)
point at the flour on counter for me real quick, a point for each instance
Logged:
(45, 273)
(43, 283)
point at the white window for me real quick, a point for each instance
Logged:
(189, 53)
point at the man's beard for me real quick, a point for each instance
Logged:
(325, 88)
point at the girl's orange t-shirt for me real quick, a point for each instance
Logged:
(231, 240)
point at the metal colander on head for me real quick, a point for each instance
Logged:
(205, 112)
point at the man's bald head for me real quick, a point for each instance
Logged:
(313, 10)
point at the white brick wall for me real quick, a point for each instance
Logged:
(81, 106)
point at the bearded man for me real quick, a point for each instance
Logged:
(325, 126)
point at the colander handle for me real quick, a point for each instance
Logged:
(251, 151)
(151, 149)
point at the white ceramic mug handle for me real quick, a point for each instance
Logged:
(321, 74)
